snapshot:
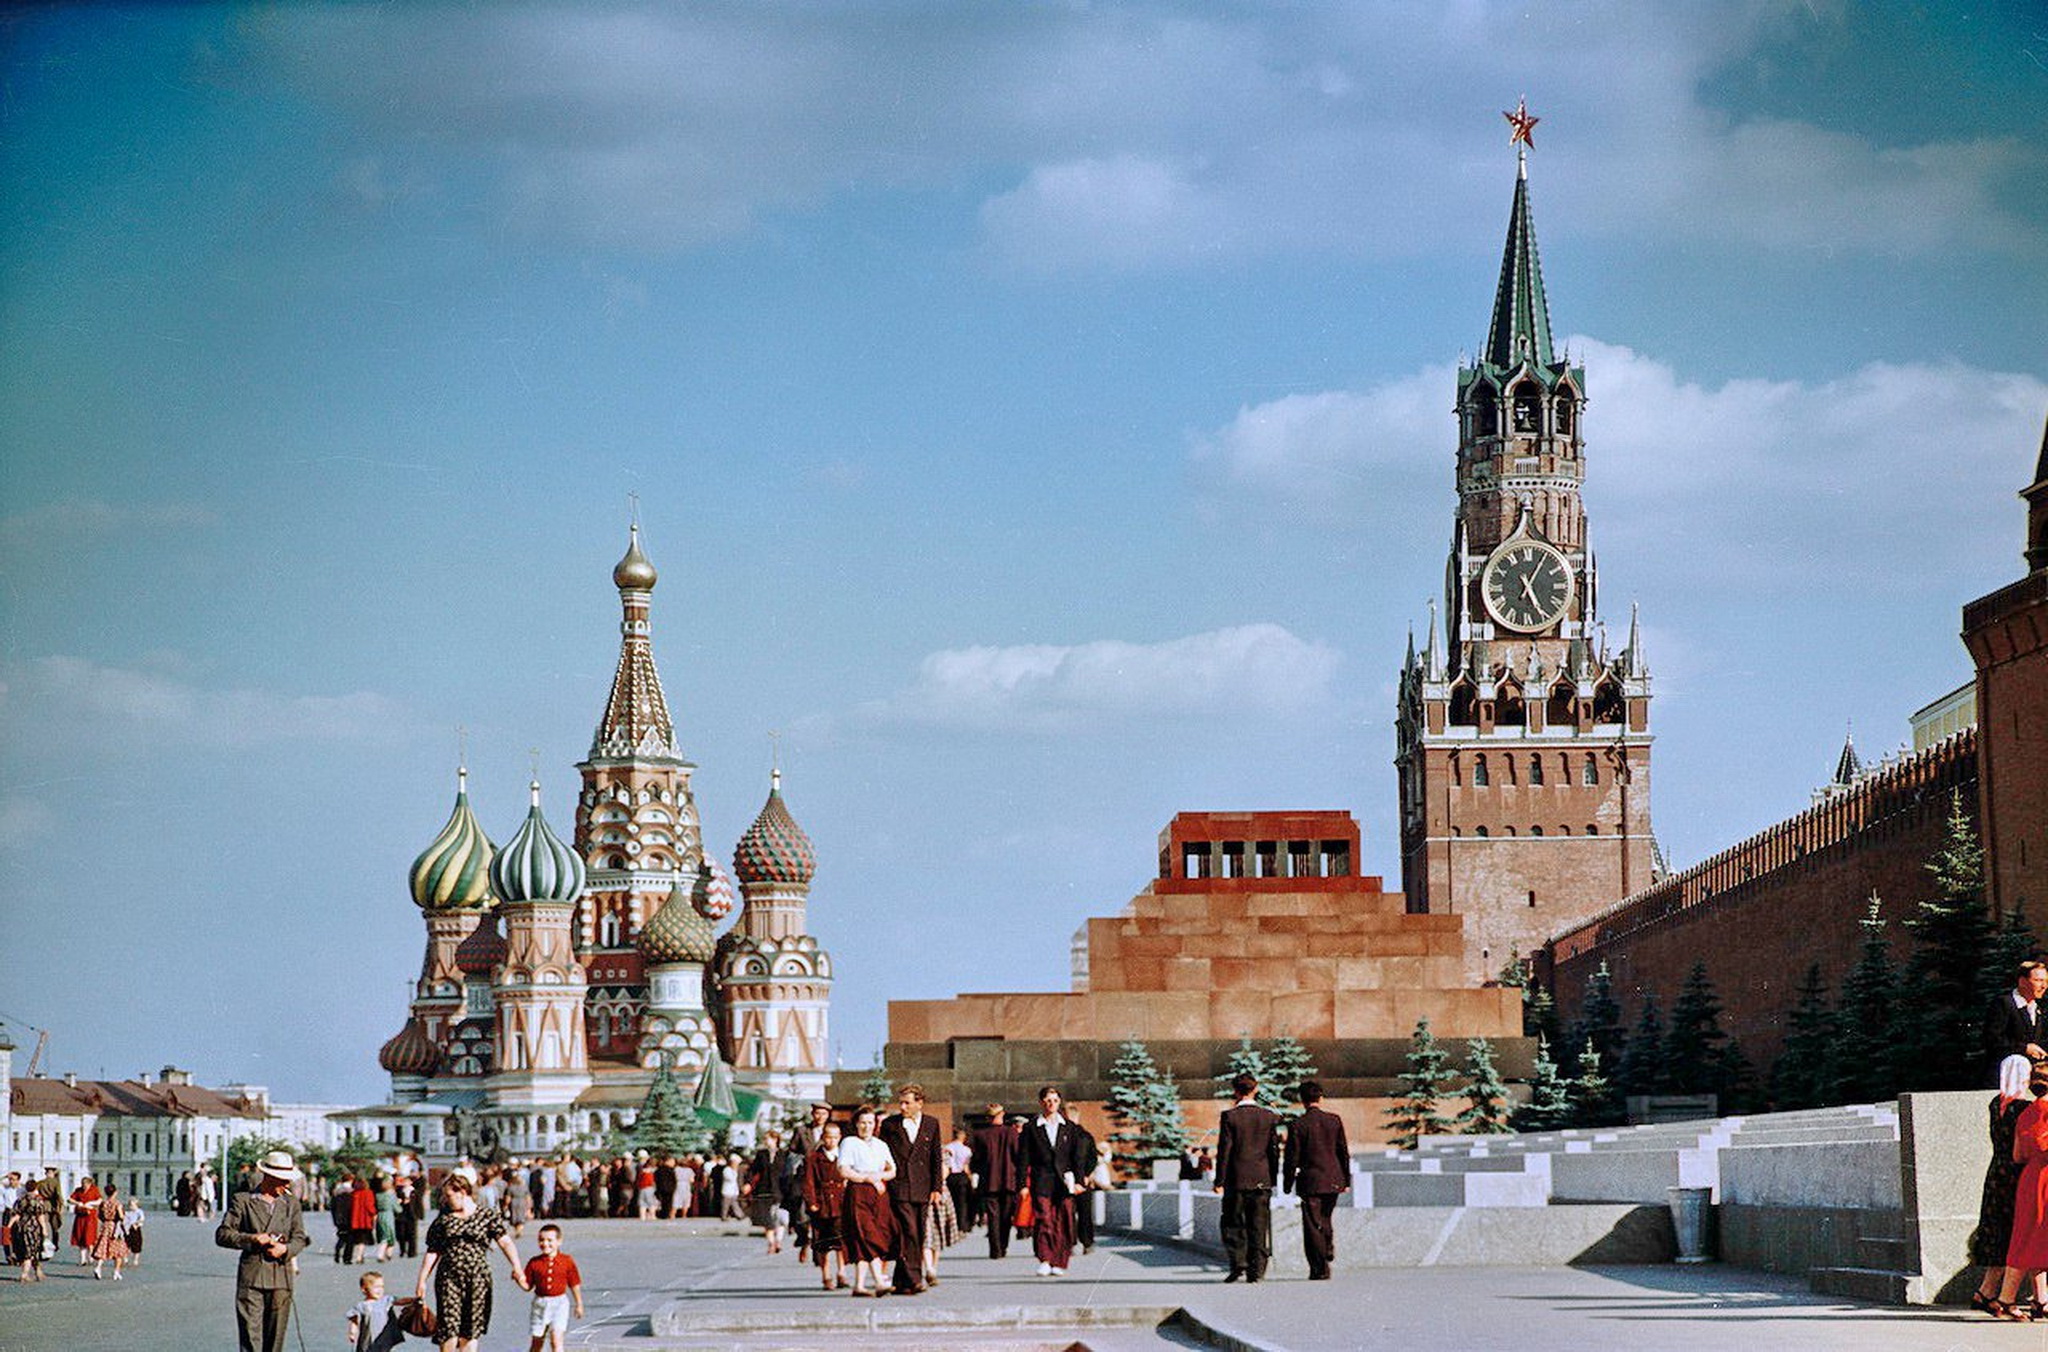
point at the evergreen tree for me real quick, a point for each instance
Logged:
(1865, 1016)
(1424, 1082)
(1486, 1109)
(1692, 1044)
(1592, 1098)
(1599, 1020)
(1805, 1074)
(1144, 1102)
(1550, 1105)
(875, 1088)
(1287, 1065)
(666, 1123)
(1735, 1079)
(1938, 1032)
(2012, 944)
(1514, 972)
(1246, 1059)
(1539, 1013)
(1641, 1070)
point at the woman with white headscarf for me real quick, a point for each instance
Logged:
(1993, 1235)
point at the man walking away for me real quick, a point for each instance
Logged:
(1318, 1169)
(265, 1225)
(1247, 1159)
(995, 1170)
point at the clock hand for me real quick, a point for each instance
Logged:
(1530, 592)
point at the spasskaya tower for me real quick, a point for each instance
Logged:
(1523, 742)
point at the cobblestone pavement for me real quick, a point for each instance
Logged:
(181, 1299)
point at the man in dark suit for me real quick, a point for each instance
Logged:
(1247, 1160)
(912, 1136)
(1318, 1168)
(1052, 1170)
(2013, 1026)
(265, 1225)
(995, 1171)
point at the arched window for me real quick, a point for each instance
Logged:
(1535, 830)
(1590, 773)
(609, 929)
(1592, 829)
(1563, 411)
(1528, 407)
(1481, 832)
(1535, 769)
(1607, 703)
(1463, 705)
(1485, 412)
(1508, 711)
(1479, 776)
(1558, 711)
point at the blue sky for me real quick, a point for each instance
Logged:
(1039, 413)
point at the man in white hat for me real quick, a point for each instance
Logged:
(265, 1225)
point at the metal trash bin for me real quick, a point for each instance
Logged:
(1692, 1220)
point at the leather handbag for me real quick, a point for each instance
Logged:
(1023, 1218)
(415, 1317)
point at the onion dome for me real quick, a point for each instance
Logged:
(774, 849)
(412, 1052)
(535, 865)
(453, 873)
(634, 572)
(677, 933)
(712, 895)
(481, 950)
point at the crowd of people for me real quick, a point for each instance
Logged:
(105, 1227)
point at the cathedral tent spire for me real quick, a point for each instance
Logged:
(636, 720)
(1521, 316)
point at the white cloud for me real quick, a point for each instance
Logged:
(1121, 135)
(1245, 670)
(62, 700)
(1913, 463)
(73, 522)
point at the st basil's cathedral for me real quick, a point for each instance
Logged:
(559, 977)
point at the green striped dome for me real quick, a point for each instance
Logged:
(454, 873)
(535, 865)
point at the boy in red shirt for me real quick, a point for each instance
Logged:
(555, 1282)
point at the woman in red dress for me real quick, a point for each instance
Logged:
(85, 1218)
(2027, 1254)
(869, 1229)
(362, 1217)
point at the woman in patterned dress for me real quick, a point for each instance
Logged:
(2001, 1182)
(111, 1238)
(459, 1260)
(34, 1224)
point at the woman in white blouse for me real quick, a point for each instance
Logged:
(869, 1232)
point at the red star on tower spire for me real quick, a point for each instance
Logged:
(1524, 125)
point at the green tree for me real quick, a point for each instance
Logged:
(875, 1088)
(1641, 1068)
(2012, 944)
(1599, 1020)
(666, 1123)
(246, 1150)
(1246, 1059)
(357, 1154)
(1144, 1102)
(1539, 1013)
(1592, 1098)
(1486, 1094)
(1515, 971)
(1287, 1065)
(1425, 1081)
(1864, 1017)
(1693, 1042)
(1804, 1076)
(1952, 946)
(1550, 1105)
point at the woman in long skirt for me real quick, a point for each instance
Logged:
(1993, 1234)
(35, 1213)
(868, 1231)
(2027, 1253)
(110, 1240)
(941, 1232)
(85, 1218)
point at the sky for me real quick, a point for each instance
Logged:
(1039, 414)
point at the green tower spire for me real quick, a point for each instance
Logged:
(1521, 315)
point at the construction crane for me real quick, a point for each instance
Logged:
(35, 1059)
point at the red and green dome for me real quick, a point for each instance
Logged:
(774, 849)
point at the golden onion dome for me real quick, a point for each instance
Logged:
(677, 932)
(454, 872)
(634, 572)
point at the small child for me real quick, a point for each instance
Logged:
(555, 1283)
(370, 1325)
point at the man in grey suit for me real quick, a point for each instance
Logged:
(1318, 1168)
(1247, 1161)
(265, 1225)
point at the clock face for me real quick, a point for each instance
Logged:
(1527, 586)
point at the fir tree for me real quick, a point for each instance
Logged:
(666, 1123)
(1864, 1018)
(1287, 1065)
(1599, 1020)
(1641, 1069)
(1486, 1095)
(875, 1088)
(1539, 1013)
(1692, 1044)
(1428, 1075)
(1734, 1079)
(1144, 1102)
(1246, 1059)
(2013, 944)
(1592, 1097)
(1514, 972)
(1938, 1032)
(1550, 1104)
(1804, 1076)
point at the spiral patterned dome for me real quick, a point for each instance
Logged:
(535, 865)
(412, 1052)
(634, 572)
(454, 873)
(712, 895)
(774, 849)
(481, 950)
(677, 933)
